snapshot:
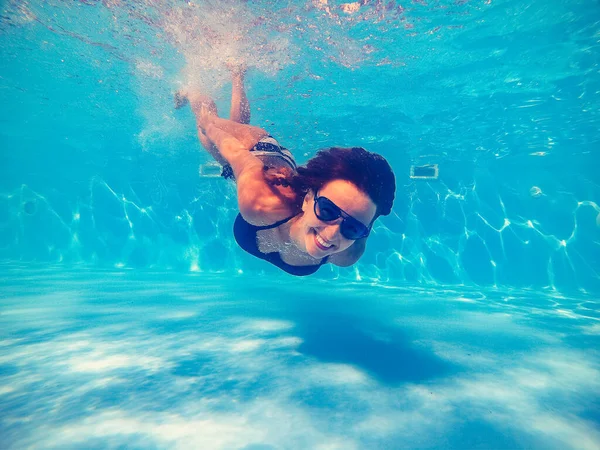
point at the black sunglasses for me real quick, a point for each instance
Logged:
(328, 211)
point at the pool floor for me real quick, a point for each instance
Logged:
(133, 359)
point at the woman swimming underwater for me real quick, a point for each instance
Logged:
(297, 218)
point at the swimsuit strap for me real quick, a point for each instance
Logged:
(245, 236)
(273, 225)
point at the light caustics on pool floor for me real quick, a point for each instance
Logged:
(440, 236)
(148, 360)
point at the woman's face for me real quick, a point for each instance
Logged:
(320, 239)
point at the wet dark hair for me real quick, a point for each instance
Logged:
(370, 172)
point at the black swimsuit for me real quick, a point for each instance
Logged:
(245, 236)
(272, 154)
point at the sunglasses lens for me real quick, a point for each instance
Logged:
(327, 210)
(352, 229)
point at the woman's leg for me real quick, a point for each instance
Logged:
(206, 114)
(240, 107)
(247, 134)
(197, 101)
(214, 131)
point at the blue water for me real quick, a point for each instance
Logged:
(129, 318)
(141, 359)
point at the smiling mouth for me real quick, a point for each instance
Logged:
(322, 243)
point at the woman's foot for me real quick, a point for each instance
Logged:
(201, 104)
(238, 72)
(236, 68)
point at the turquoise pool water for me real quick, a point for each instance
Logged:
(146, 360)
(130, 318)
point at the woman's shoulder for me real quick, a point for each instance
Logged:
(266, 213)
(263, 203)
